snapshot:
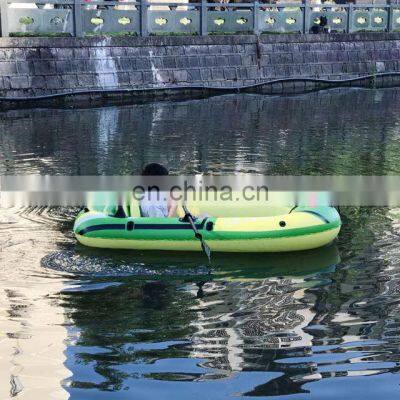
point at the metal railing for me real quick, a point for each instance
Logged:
(80, 18)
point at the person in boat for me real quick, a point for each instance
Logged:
(157, 204)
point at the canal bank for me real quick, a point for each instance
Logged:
(91, 68)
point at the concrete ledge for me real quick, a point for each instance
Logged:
(131, 41)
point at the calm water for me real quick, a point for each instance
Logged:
(95, 324)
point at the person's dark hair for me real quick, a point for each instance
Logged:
(154, 169)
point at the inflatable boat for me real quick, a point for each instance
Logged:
(273, 229)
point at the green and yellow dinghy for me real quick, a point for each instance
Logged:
(281, 229)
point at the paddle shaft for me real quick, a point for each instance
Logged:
(197, 234)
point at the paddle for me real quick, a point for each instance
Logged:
(189, 218)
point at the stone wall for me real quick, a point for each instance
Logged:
(42, 66)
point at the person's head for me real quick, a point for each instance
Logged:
(155, 169)
(323, 20)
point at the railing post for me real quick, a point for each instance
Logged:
(4, 17)
(256, 10)
(143, 18)
(350, 18)
(390, 16)
(78, 28)
(203, 18)
(306, 14)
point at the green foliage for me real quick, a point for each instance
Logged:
(39, 34)
(112, 34)
(173, 34)
(26, 20)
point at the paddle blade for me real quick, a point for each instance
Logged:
(206, 250)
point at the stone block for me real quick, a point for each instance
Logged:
(210, 61)
(136, 78)
(248, 60)
(286, 58)
(242, 73)
(222, 61)
(226, 49)
(147, 77)
(336, 68)
(19, 82)
(81, 53)
(203, 50)
(175, 62)
(163, 76)
(132, 52)
(69, 81)
(174, 50)
(123, 78)
(15, 54)
(105, 80)
(190, 50)
(213, 50)
(294, 70)
(274, 59)
(205, 74)
(7, 55)
(80, 66)
(86, 80)
(38, 82)
(117, 51)
(253, 72)
(268, 72)
(53, 82)
(380, 66)
(143, 64)
(297, 57)
(64, 53)
(217, 74)
(44, 67)
(63, 67)
(305, 70)
(47, 53)
(194, 75)
(24, 67)
(230, 73)
(353, 56)
(8, 68)
(266, 47)
(193, 62)
(264, 60)
(125, 64)
(180, 75)
(309, 57)
(6, 82)
(342, 56)
(99, 52)
(235, 60)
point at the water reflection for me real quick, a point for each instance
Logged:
(97, 324)
(269, 334)
(32, 330)
(333, 132)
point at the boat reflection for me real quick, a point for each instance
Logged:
(232, 266)
(238, 317)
